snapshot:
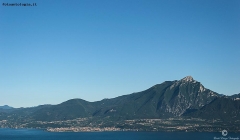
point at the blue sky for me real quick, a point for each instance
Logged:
(95, 49)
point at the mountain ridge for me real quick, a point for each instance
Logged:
(177, 105)
(169, 99)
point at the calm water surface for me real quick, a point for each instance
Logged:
(34, 134)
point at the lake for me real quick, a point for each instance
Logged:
(35, 134)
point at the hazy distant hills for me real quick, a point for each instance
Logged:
(6, 107)
(235, 96)
(186, 98)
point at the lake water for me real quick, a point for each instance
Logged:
(34, 134)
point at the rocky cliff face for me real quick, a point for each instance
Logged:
(186, 94)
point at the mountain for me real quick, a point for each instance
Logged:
(70, 109)
(222, 108)
(173, 102)
(6, 107)
(165, 100)
(169, 99)
(235, 96)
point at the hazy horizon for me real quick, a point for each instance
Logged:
(60, 50)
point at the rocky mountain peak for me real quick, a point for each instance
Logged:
(187, 79)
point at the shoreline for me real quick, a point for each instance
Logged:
(114, 129)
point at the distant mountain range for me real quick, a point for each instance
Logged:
(185, 98)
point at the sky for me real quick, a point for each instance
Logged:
(96, 49)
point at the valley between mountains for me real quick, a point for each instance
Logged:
(180, 105)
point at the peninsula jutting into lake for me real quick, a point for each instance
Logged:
(179, 105)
